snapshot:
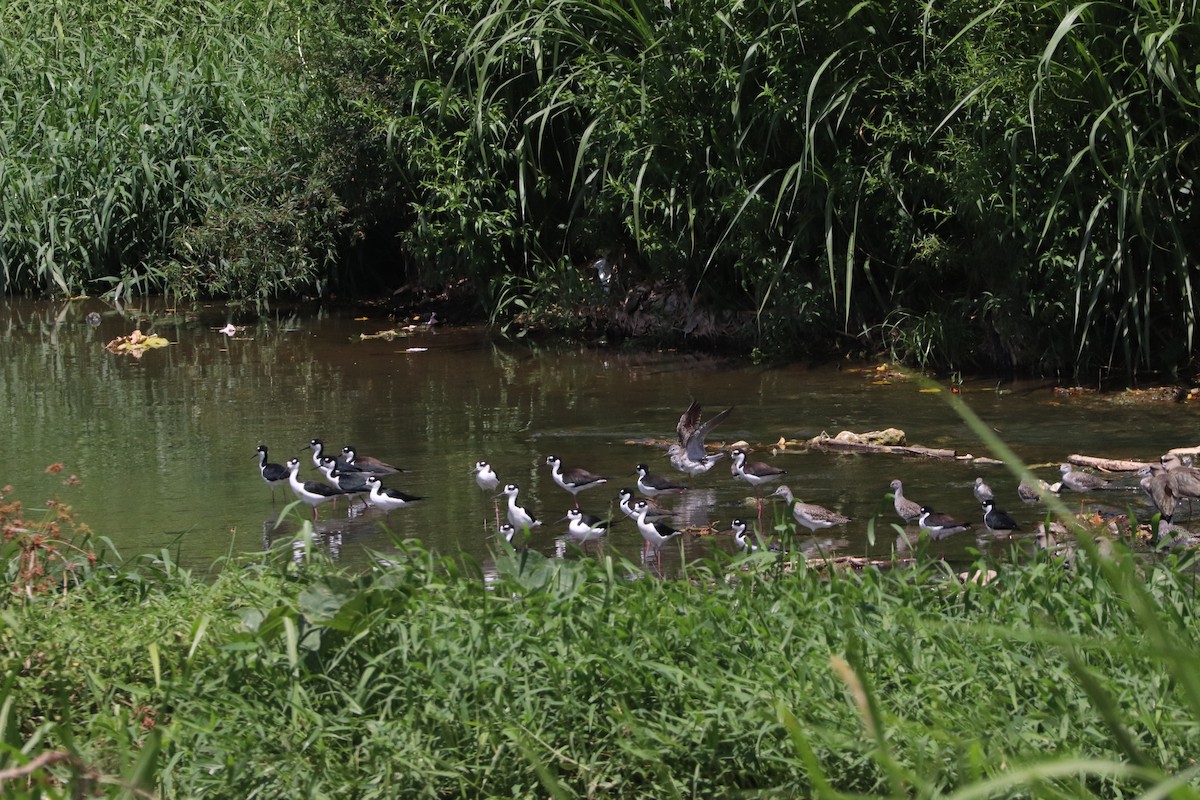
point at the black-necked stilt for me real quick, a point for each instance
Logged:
(755, 473)
(1032, 491)
(939, 526)
(367, 463)
(983, 492)
(997, 521)
(626, 499)
(689, 454)
(746, 540)
(273, 474)
(388, 499)
(312, 492)
(656, 534)
(507, 532)
(810, 515)
(318, 448)
(518, 517)
(654, 485)
(487, 480)
(573, 480)
(584, 528)
(742, 537)
(353, 484)
(486, 477)
(907, 509)
(1080, 481)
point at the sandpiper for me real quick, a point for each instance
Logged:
(810, 515)
(907, 509)
(689, 454)
(1080, 481)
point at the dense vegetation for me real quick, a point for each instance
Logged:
(1007, 185)
(583, 677)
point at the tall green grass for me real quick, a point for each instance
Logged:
(569, 678)
(144, 146)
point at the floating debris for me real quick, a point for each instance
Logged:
(136, 343)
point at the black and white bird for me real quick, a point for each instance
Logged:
(997, 521)
(573, 480)
(318, 448)
(353, 484)
(939, 526)
(653, 485)
(584, 528)
(487, 480)
(689, 455)
(755, 473)
(368, 464)
(810, 515)
(273, 474)
(486, 477)
(507, 532)
(1078, 481)
(518, 517)
(388, 499)
(742, 537)
(983, 492)
(656, 534)
(626, 499)
(312, 492)
(905, 508)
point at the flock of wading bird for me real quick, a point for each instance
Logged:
(355, 476)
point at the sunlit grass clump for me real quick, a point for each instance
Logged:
(587, 677)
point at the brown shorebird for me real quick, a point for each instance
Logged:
(983, 492)
(689, 454)
(1182, 479)
(1080, 481)
(809, 515)
(367, 464)
(907, 509)
(1032, 492)
(1155, 483)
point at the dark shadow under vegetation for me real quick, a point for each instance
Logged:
(433, 677)
(1007, 187)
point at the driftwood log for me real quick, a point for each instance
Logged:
(889, 441)
(1107, 464)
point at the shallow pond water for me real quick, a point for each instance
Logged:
(164, 446)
